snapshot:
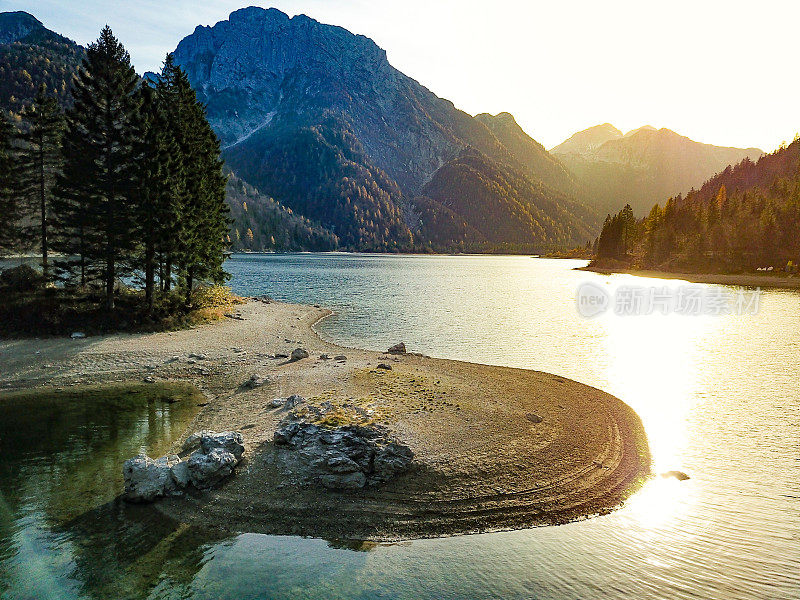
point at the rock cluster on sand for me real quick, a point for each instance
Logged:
(349, 456)
(211, 458)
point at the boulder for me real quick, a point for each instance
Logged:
(147, 479)
(206, 469)
(180, 474)
(294, 400)
(230, 441)
(213, 458)
(533, 418)
(298, 354)
(397, 349)
(192, 443)
(340, 357)
(384, 366)
(77, 335)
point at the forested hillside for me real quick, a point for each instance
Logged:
(529, 155)
(322, 172)
(259, 223)
(31, 55)
(745, 218)
(506, 209)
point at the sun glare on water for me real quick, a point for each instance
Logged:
(654, 367)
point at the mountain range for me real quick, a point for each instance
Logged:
(643, 167)
(316, 117)
(329, 145)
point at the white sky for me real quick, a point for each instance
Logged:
(722, 72)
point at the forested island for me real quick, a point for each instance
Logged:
(124, 195)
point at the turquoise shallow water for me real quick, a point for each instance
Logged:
(719, 397)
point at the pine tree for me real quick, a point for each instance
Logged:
(158, 190)
(96, 187)
(39, 159)
(204, 223)
(169, 102)
(9, 205)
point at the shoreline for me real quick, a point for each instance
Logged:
(730, 279)
(482, 462)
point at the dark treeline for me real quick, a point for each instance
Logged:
(127, 182)
(745, 218)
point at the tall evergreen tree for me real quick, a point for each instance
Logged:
(158, 191)
(39, 159)
(9, 205)
(204, 223)
(171, 211)
(96, 188)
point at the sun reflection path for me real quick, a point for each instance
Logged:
(653, 366)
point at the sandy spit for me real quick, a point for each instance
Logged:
(482, 462)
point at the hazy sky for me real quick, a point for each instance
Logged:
(722, 72)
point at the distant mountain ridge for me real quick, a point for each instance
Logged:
(529, 154)
(587, 141)
(643, 167)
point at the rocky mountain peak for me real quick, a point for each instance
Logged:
(245, 66)
(15, 26)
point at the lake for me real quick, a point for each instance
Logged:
(719, 396)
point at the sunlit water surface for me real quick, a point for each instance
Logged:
(719, 397)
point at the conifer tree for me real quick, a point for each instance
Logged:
(158, 190)
(39, 159)
(9, 205)
(169, 103)
(204, 223)
(96, 216)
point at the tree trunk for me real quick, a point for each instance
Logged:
(110, 277)
(149, 269)
(168, 275)
(189, 285)
(43, 210)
